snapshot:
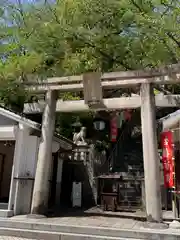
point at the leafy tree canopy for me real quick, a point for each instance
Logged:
(70, 37)
(66, 37)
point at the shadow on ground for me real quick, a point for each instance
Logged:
(96, 211)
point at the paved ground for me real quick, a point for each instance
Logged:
(86, 221)
(13, 238)
(94, 218)
(83, 225)
(167, 215)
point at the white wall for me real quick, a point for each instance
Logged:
(23, 174)
(6, 121)
(24, 170)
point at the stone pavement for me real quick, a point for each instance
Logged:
(13, 238)
(82, 227)
(85, 221)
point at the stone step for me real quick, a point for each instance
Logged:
(82, 232)
(3, 206)
(4, 213)
(32, 234)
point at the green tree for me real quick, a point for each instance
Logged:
(70, 37)
(67, 37)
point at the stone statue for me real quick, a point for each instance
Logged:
(79, 138)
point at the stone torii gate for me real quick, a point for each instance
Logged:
(92, 84)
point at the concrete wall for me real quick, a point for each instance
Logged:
(5, 171)
(24, 168)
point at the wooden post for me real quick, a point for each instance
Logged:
(150, 155)
(41, 185)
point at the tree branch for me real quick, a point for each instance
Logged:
(170, 35)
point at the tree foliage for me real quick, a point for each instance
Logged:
(70, 37)
(66, 37)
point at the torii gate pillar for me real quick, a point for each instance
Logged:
(150, 155)
(41, 184)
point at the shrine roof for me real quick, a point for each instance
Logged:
(9, 117)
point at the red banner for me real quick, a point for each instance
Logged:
(114, 128)
(168, 158)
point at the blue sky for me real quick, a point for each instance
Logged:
(24, 1)
(27, 1)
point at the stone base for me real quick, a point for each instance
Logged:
(174, 224)
(30, 216)
(154, 225)
(4, 213)
(36, 216)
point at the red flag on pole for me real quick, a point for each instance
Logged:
(168, 158)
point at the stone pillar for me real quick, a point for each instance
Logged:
(150, 155)
(41, 185)
(58, 181)
(23, 171)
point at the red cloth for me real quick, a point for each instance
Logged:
(168, 159)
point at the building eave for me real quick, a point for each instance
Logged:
(170, 120)
(64, 142)
(18, 118)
